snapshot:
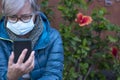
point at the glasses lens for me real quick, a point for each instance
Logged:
(26, 18)
(12, 19)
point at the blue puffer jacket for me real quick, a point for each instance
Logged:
(49, 55)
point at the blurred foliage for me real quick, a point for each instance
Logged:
(0, 16)
(70, 8)
(87, 49)
(47, 9)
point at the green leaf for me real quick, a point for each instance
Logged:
(118, 78)
(84, 42)
(112, 39)
(76, 39)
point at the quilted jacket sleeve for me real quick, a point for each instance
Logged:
(3, 60)
(54, 65)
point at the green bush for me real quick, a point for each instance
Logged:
(92, 49)
(87, 48)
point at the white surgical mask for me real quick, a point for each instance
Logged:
(20, 28)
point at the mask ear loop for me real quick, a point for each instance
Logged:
(5, 21)
(33, 18)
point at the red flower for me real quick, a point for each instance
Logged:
(114, 51)
(83, 20)
(79, 18)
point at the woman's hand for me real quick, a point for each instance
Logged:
(16, 70)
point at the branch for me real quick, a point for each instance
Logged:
(89, 70)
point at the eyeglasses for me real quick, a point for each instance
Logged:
(24, 18)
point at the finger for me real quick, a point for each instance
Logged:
(30, 68)
(30, 60)
(11, 58)
(22, 56)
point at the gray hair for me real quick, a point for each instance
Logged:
(11, 7)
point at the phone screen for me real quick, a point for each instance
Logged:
(19, 46)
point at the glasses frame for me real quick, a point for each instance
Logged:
(20, 18)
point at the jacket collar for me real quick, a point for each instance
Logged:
(3, 32)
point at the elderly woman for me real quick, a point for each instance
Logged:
(22, 20)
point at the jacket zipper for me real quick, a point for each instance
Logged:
(6, 39)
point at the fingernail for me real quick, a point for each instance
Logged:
(26, 49)
(33, 52)
(12, 53)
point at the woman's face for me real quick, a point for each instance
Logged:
(24, 15)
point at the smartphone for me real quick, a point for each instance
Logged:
(19, 46)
